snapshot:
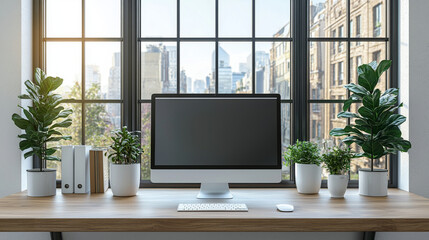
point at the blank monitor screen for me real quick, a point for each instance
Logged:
(216, 132)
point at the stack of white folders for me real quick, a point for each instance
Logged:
(75, 169)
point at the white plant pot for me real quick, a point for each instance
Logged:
(308, 178)
(337, 185)
(373, 184)
(124, 179)
(41, 184)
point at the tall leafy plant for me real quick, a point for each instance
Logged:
(376, 126)
(126, 147)
(43, 119)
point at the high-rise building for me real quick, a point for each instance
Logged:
(114, 89)
(92, 76)
(154, 70)
(199, 86)
(224, 71)
(172, 69)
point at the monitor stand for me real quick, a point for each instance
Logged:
(214, 190)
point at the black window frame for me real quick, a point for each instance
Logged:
(300, 93)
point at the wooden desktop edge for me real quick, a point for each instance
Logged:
(23, 223)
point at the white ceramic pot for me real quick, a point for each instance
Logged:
(373, 184)
(337, 185)
(41, 184)
(124, 179)
(308, 178)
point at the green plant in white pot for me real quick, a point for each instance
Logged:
(337, 162)
(41, 123)
(124, 154)
(376, 126)
(308, 173)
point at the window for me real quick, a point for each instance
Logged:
(340, 73)
(340, 34)
(377, 20)
(111, 68)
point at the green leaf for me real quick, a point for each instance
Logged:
(383, 66)
(374, 148)
(366, 113)
(347, 115)
(63, 124)
(28, 154)
(396, 120)
(20, 122)
(367, 77)
(357, 89)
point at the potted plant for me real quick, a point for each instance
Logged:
(337, 161)
(124, 155)
(376, 126)
(308, 173)
(41, 124)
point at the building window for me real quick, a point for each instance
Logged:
(184, 47)
(340, 34)
(376, 56)
(376, 11)
(340, 73)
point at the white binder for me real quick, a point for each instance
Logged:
(67, 169)
(81, 169)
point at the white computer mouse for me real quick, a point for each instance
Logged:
(285, 207)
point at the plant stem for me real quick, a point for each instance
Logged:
(372, 149)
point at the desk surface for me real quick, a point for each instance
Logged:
(155, 210)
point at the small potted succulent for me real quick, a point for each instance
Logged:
(41, 124)
(308, 173)
(337, 161)
(376, 127)
(124, 154)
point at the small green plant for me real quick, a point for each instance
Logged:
(337, 160)
(126, 147)
(376, 128)
(302, 152)
(42, 120)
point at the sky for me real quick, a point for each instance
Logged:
(159, 19)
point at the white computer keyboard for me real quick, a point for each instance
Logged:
(212, 207)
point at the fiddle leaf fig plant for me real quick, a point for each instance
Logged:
(126, 147)
(43, 120)
(376, 126)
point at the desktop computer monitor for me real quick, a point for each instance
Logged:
(215, 140)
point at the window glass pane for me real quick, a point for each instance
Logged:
(364, 53)
(328, 70)
(370, 18)
(197, 18)
(197, 61)
(327, 18)
(273, 68)
(158, 18)
(272, 18)
(235, 60)
(103, 70)
(64, 59)
(100, 120)
(145, 140)
(285, 119)
(235, 18)
(103, 18)
(75, 131)
(63, 18)
(323, 118)
(158, 68)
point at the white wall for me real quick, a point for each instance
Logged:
(11, 57)
(15, 66)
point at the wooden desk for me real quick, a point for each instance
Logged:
(154, 210)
